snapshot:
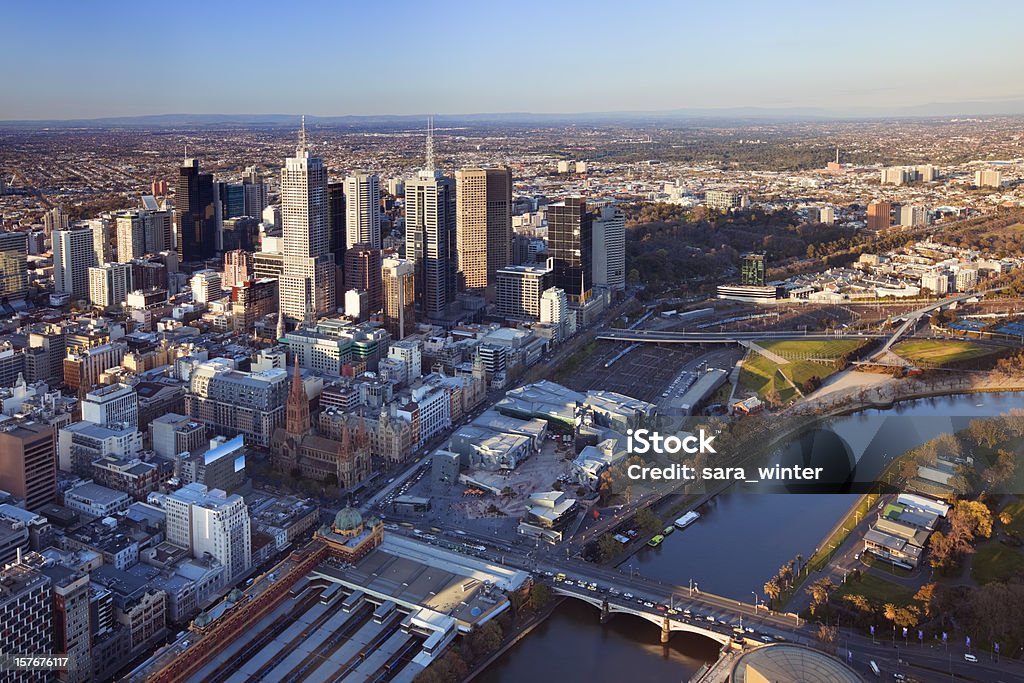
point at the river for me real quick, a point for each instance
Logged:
(741, 539)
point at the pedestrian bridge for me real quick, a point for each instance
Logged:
(667, 623)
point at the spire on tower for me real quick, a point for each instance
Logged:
(837, 154)
(430, 145)
(302, 137)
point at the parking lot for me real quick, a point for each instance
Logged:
(643, 373)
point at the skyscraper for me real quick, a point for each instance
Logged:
(610, 248)
(213, 522)
(141, 232)
(73, 254)
(195, 213)
(570, 230)
(307, 283)
(483, 224)
(336, 221)
(399, 278)
(255, 192)
(362, 210)
(752, 270)
(238, 268)
(13, 265)
(430, 235)
(26, 611)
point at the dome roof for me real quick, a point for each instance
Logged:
(372, 522)
(347, 519)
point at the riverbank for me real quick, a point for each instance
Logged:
(511, 641)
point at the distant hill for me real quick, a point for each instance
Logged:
(691, 115)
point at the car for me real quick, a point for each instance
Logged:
(687, 612)
(857, 556)
(591, 587)
(723, 622)
(968, 657)
(568, 582)
(640, 601)
(749, 630)
(627, 596)
(898, 676)
(548, 574)
(710, 618)
(662, 608)
(673, 611)
(648, 603)
(766, 639)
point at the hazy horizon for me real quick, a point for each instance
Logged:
(327, 59)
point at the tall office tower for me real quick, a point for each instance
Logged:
(570, 232)
(13, 265)
(752, 270)
(254, 189)
(336, 221)
(109, 284)
(879, 215)
(111, 404)
(26, 611)
(238, 268)
(307, 284)
(206, 286)
(430, 235)
(28, 462)
(363, 272)
(73, 254)
(211, 521)
(399, 280)
(142, 231)
(195, 213)
(232, 199)
(362, 210)
(827, 215)
(232, 402)
(483, 224)
(610, 248)
(55, 219)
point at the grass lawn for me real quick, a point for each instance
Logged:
(877, 590)
(761, 375)
(996, 562)
(937, 353)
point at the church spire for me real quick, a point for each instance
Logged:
(297, 408)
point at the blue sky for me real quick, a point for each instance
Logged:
(66, 59)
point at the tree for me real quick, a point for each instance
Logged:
(987, 432)
(540, 595)
(487, 638)
(772, 590)
(926, 596)
(820, 591)
(647, 520)
(858, 602)
(608, 547)
(827, 634)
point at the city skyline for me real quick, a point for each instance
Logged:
(837, 59)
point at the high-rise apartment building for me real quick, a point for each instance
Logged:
(13, 265)
(363, 273)
(483, 224)
(196, 218)
(913, 216)
(430, 236)
(988, 178)
(206, 286)
(28, 462)
(362, 210)
(109, 284)
(570, 234)
(399, 283)
(238, 268)
(55, 219)
(211, 521)
(879, 215)
(609, 256)
(73, 254)
(554, 310)
(307, 283)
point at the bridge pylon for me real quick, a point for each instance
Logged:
(606, 614)
(666, 630)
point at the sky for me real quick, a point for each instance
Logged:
(72, 59)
